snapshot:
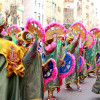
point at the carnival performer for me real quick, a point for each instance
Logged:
(74, 48)
(11, 68)
(90, 49)
(74, 76)
(96, 86)
(33, 87)
(83, 72)
(96, 47)
(51, 51)
(11, 61)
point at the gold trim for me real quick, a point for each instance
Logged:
(35, 99)
(71, 81)
(51, 88)
(63, 57)
(91, 71)
(46, 62)
(6, 52)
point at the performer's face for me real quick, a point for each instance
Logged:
(54, 35)
(20, 42)
(63, 42)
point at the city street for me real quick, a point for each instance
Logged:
(86, 93)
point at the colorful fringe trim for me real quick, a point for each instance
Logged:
(82, 63)
(55, 23)
(16, 27)
(93, 42)
(31, 20)
(80, 24)
(96, 29)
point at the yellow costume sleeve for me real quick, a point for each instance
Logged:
(14, 56)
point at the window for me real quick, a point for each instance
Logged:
(35, 15)
(38, 5)
(42, 4)
(54, 19)
(0, 7)
(14, 20)
(54, 7)
(38, 16)
(59, 9)
(49, 4)
(35, 2)
(22, 1)
(87, 6)
(42, 19)
(92, 3)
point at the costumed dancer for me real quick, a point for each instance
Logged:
(51, 51)
(68, 60)
(75, 50)
(11, 69)
(33, 87)
(96, 47)
(96, 86)
(83, 72)
(90, 50)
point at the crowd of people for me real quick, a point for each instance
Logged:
(36, 59)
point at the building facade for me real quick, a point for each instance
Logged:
(84, 11)
(34, 9)
(53, 11)
(45, 11)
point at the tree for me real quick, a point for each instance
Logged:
(10, 13)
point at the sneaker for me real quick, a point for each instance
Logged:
(51, 98)
(79, 88)
(82, 81)
(68, 87)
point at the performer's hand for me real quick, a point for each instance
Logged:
(54, 36)
(61, 61)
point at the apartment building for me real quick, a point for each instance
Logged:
(34, 9)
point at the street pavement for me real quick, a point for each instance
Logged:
(74, 94)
